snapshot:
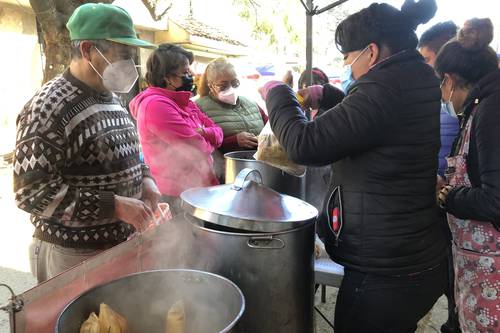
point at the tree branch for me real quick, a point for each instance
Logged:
(254, 3)
(305, 7)
(324, 9)
(151, 7)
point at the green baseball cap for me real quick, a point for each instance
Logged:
(104, 21)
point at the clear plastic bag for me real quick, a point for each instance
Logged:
(271, 152)
(163, 213)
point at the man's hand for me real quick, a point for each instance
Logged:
(133, 211)
(247, 140)
(150, 193)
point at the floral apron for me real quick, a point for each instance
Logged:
(476, 256)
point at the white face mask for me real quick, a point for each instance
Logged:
(447, 106)
(228, 96)
(119, 76)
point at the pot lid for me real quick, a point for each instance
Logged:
(247, 205)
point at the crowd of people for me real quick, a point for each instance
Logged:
(412, 205)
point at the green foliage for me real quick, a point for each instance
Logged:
(286, 23)
(264, 27)
(244, 14)
(270, 21)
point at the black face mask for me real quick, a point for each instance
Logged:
(187, 84)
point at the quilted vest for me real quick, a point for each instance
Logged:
(233, 119)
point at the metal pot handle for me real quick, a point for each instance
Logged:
(15, 305)
(242, 176)
(254, 243)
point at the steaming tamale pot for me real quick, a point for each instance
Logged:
(212, 303)
(264, 242)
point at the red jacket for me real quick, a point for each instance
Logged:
(179, 157)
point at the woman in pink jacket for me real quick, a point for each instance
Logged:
(176, 137)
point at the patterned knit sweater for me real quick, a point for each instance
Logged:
(76, 148)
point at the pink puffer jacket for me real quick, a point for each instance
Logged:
(178, 155)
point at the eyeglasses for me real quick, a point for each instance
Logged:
(226, 84)
(120, 57)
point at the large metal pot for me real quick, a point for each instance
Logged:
(212, 303)
(264, 242)
(272, 177)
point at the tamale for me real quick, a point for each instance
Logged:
(110, 321)
(175, 319)
(91, 325)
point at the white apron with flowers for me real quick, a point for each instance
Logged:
(476, 256)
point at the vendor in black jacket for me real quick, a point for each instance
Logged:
(380, 219)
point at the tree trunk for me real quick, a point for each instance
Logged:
(57, 53)
(52, 15)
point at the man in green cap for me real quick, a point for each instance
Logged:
(77, 168)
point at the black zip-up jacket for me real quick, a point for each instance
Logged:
(331, 97)
(481, 202)
(383, 141)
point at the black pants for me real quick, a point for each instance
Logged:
(369, 303)
(452, 325)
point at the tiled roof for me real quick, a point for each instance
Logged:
(200, 29)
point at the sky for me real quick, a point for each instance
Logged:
(456, 10)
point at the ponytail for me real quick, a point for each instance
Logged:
(203, 89)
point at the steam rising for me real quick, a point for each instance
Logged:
(211, 303)
(182, 165)
(174, 245)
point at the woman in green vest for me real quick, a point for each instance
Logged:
(241, 120)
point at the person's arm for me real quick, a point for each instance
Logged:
(263, 114)
(150, 192)
(146, 172)
(230, 143)
(40, 187)
(165, 121)
(482, 203)
(211, 131)
(331, 97)
(357, 124)
(41, 190)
